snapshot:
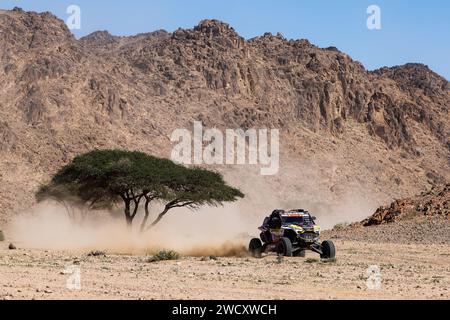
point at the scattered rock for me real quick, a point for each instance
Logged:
(12, 246)
(96, 253)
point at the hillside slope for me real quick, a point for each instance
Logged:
(350, 139)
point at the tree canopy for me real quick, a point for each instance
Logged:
(103, 178)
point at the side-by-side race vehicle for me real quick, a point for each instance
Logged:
(291, 233)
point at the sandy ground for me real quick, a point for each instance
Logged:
(407, 272)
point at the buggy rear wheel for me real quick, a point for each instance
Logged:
(284, 248)
(255, 248)
(328, 250)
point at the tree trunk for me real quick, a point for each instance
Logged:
(147, 214)
(136, 207)
(128, 216)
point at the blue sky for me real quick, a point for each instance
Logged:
(412, 30)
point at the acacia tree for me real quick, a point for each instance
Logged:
(104, 178)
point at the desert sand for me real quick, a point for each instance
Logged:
(406, 272)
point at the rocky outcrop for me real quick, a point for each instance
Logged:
(433, 203)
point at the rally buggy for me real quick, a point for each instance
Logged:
(291, 233)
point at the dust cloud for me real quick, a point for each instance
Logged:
(223, 231)
(210, 231)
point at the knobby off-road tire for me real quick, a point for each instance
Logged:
(328, 250)
(255, 248)
(285, 247)
(300, 253)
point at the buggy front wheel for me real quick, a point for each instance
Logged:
(328, 250)
(284, 248)
(255, 248)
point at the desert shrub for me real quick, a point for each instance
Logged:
(2, 236)
(164, 255)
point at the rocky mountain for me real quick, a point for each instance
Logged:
(350, 138)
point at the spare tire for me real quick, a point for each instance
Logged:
(285, 247)
(255, 248)
(328, 250)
